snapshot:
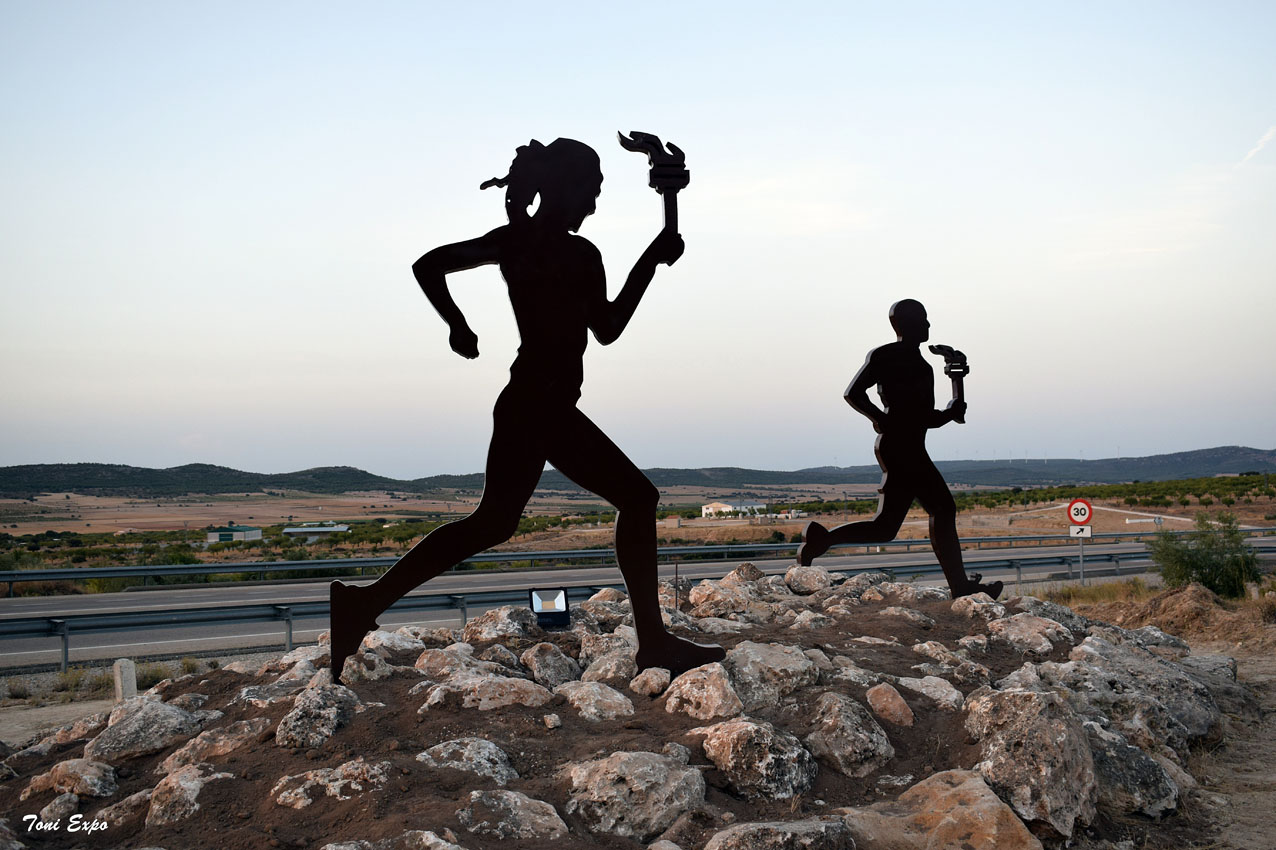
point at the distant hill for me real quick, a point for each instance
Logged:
(118, 480)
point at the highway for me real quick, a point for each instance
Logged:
(204, 640)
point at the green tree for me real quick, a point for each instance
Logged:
(1214, 554)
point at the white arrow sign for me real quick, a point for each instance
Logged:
(1081, 531)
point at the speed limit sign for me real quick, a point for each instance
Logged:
(1079, 512)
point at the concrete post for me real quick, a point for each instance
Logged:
(125, 679)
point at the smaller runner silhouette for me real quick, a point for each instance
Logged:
(906, 384)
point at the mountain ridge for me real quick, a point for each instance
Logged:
(122, 480)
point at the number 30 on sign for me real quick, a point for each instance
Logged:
(1079, 511)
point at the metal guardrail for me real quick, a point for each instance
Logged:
(286, 612)
(664, 554)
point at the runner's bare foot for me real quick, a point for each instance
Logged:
(348, 624)
(677, 655)
(814, 543)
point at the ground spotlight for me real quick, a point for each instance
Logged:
(550, 607)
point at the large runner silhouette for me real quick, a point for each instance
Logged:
(558, 290)
(906, 384)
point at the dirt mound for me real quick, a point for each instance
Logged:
(1192, 612)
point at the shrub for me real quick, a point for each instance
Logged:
(149, 675)
(18, 689)
(189, 665)
(69, 680)
(1214, 554)
(1266, 611)
(98, 682)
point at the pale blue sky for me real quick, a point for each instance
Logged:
(210, 213)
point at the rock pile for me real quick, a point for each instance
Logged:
(848, 713)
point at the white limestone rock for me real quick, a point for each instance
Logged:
(508, 621)
(1035, 755)
(633, 794)
(758, 759)
(176, 797)
(82, 777)
(509, 814)
(342, 782)
(317, 713)
(822, 833)
(847, 736)
(1029, 633)
(214, 742)
(762, 673)
(940, 690)
(596, 701)
(704, 693)
(473, 755)
(141, 726)
(549, 665)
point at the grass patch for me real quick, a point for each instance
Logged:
(149, 675)
(98, 682)
(1130, 590)
(69, 680)
(80, 680)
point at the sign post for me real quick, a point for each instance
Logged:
(1079, 514)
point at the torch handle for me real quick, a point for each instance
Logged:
(671, 210)
(959, 395)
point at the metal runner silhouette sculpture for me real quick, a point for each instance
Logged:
(558, 290)
(906, 384)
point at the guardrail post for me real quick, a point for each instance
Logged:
(61, 628)
(1116, 564)
(459, 602)
(10, 590)
(286, 613)
(1018, 574)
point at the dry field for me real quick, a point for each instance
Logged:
(70, 512)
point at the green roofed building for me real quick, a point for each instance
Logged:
(227, 533)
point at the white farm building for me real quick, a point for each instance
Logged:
(748, 508)
(314, 532)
